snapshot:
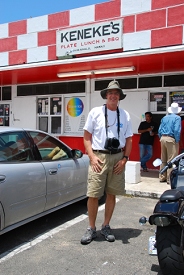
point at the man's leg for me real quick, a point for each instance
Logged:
(109, 208)
(148, 155)
(164, 157)
(149, 149)
(172, 151)
(95, 189)
(142, 152)
(148, 152)
(91, 234)
(92, 211)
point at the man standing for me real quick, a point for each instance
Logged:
(148, 129)
(169, 134)
(108, 142)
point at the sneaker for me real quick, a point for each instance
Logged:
(107, 233)
(89, 235)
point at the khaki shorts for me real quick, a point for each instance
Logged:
(106, 180)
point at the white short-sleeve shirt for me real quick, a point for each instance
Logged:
(95, 124)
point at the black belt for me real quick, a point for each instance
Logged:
(109, 152)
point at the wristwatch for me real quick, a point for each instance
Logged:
(126, 157)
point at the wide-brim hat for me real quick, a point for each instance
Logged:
(113, 85)
(174, 108)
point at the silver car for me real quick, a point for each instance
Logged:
(38, 175)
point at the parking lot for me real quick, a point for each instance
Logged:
(51, 245)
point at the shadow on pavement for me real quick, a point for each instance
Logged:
(123, 234)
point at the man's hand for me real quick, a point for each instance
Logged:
(119, 166)
(96, 163)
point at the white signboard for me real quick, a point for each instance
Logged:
(74, 118)
(89, 38)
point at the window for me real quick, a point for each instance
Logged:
(14, 147)
(6, 93)
(56, 125)
(4, 114)
(158, 101)
(148, 82)
(173, 80)
(126, 83)
(49, 111)
(177, 96)
(49, 147)
(43, 124)
(53, 88)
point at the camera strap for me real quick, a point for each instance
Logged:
(106, 121)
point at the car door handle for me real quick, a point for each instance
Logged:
(2, 178)
(53, 171)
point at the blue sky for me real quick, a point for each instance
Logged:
(15, 10)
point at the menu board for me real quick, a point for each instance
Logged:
(177, 97)
(158, 102)
(74, 117)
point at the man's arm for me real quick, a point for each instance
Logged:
(96, 163)
(87, 143)
(119, 166)
(177, 128)
(128, 146)
(145, 130)
(141, 130)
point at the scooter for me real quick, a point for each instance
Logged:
(168, 216)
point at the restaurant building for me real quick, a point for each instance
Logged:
(53, 67)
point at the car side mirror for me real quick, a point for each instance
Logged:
(76, 153)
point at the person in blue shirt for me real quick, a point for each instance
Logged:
(169, 134)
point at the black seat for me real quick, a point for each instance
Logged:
(172, 195)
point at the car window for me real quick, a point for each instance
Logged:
(14, 147)
(49, 147)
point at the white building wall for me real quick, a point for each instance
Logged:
(82, 15)
(37, 24)
(129, 7)
(4, 59)
(27, 41)
(137, 40)
(3, 30)
(37, 54)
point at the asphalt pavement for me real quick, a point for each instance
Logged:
(51, 245)
(149, 186)
(42, 248)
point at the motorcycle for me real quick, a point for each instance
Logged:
(168, 216)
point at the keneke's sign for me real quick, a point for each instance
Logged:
(89, 38)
